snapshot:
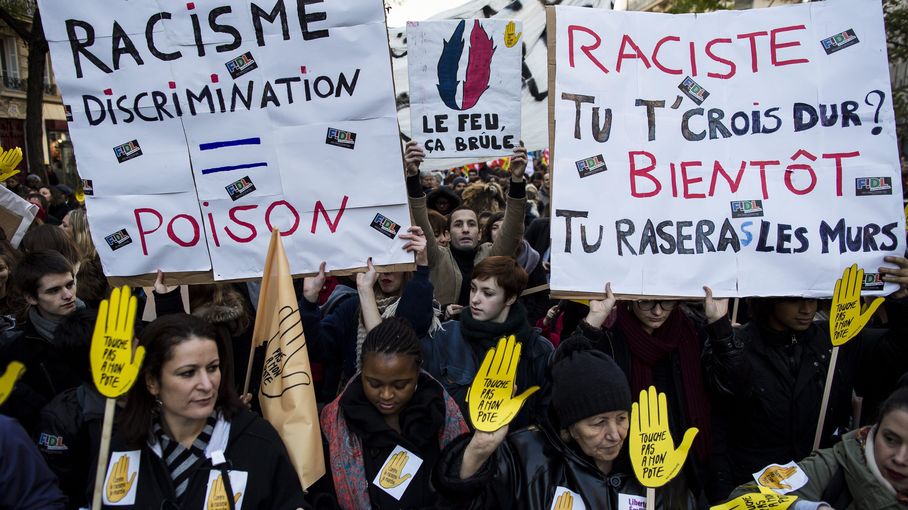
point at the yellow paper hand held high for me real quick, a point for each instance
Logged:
(114, 368)
(217, 498)
(491, 397)
(774, 477)
(391, 474)
(9, 160)
(847, 318)
(653, 453)
(565, 501)
(12, 374)
(117, 485)
(510, 37)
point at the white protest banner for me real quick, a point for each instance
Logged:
(200, 126)
(465, 86)
(751, 151)
(534, 93)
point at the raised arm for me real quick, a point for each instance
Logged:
(725, 362)
(512, 226)
(413, 157)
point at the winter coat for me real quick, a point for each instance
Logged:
(769, 385)
(25, 481)
(454, 361)
(359, 442)
(69, 433)
(531, 464)
(445, 274)
(841, 476)
(250, 448)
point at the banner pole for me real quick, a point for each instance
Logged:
(830, 373)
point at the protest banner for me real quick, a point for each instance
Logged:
(465, 86)
(287, 394)
(199, 127)
(534, 67)
(16, 215)
(491, 398)
(114, 369)
(750, 151)
(653, 454)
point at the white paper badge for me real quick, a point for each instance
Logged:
(566, 499)
(782, 479)
(397, 472)
(631, 502)
(122, 480)
(216, 494)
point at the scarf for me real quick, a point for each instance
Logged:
(345, 449)
(46, 327)
(178, 458)
(647, 350)
(485, 334)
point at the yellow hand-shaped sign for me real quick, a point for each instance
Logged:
(217, 497)
(9, 160)
(119, 483)
(491, 397)
(113, 365)
(391, 474)
(12, 374)
(847, 317)
(653, 453)
(774, 477)
(764, 499)
(510, 37)
(564, 502)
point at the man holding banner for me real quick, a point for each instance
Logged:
(768, 377)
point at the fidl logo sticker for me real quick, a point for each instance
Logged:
(241, 65)
(865, 186)
(872, 281)
(340, 138)
(127, 151)
(746, 208)
(118, 239)
(693, 90)
(589, 166)
(839, 41)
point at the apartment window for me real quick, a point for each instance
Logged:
(10, 60)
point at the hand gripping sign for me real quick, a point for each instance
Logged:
(491, 397)
(764, 499)
(653, 454)
(12, 374)
(114, 368)
(847, 320)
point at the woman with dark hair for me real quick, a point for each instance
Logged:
(389, 424)
(866, 470)
(578, 447)
(185, 440)
(336, 340)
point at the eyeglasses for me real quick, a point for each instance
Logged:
(648, 305)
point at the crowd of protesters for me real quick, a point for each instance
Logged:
(394, 355)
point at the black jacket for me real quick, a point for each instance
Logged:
(69, 433)
(49, 371)
(253, 447)
(525, 471)
(769, 387)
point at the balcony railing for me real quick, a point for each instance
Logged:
(11, 83)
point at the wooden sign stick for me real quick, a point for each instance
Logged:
(830, 373)
(106, 432)
(734, 312)
(650, 498)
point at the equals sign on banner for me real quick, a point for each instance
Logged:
(231, 143)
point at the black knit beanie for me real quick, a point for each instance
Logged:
(586, 382)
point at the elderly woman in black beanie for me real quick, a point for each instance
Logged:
(576, 455)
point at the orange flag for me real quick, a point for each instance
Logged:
(287, 395)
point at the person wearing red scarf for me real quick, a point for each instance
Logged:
(656, 343)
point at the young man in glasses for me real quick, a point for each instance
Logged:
(656, 344)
